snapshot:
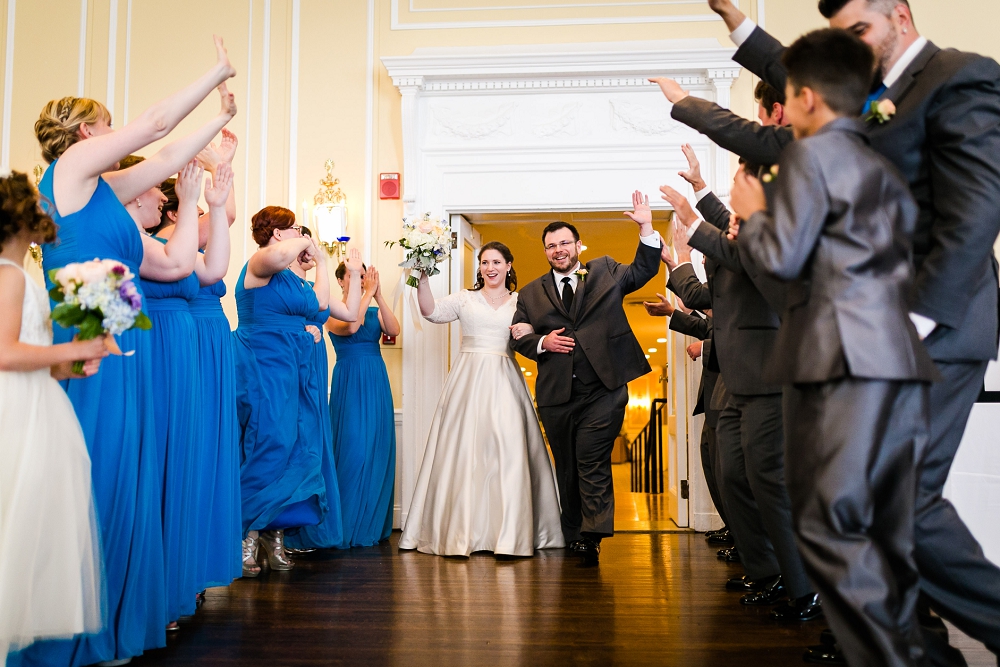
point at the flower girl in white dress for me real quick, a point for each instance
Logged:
(50, 563)
(486, 481)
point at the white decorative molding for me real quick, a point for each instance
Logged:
(565, 124)
(81, 68)
(641, 119)
(128, 60)
(112, 54)
(465, 127)
(265, 92)
(572, 127)
(369, 134)
(611, 17)
(8, 87)
(293, 110)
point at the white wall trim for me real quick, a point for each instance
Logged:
(128, 60)
(8, 86)
(265, 91)
(293, 111)
(396, 24)
(369, 134)
(81, 71)
(112, 54)
(760, 14)
(246, 140)
(578, 5)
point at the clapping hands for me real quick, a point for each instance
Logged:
(213, 155)
(217, 190)
(354, 263)
(683, 212)
(641, 213)
(370, 282)
(693, 174)
(188, 185)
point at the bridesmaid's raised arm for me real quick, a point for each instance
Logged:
(176, 258)
(386, 318)
(83, 162)
(212, 266)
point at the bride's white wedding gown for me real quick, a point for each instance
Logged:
(50, 565)
(486, 482)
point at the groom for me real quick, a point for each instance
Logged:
(586, 354)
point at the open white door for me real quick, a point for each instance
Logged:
(677, 441)
(463, 270)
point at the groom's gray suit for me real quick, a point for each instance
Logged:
(582, 396)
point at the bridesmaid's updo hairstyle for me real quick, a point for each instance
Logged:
(19, 210)
(267, 219)
(510, 281)
(58, 126)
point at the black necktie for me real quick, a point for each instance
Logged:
(567, 295)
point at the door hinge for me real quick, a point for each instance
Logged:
(684, 489)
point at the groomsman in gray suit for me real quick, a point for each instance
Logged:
(943, 135)
(587, 355)
(838, 230)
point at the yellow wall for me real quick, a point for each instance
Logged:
(161, 46)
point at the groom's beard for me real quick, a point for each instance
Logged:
(566, 264)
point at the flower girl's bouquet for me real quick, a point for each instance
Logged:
(98, 297)
(427, 242)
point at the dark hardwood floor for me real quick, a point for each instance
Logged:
(656, 599)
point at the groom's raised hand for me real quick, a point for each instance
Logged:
(641, 214)
(553, 342)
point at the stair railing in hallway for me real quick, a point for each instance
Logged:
(646, 452)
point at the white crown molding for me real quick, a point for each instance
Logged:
(8, 87)
(611, 18)
(610, 65)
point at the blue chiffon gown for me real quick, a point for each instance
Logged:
(219, 435)
(178, 389)
(330, 531)
(115, 409)
(281, 477)
(364, 434)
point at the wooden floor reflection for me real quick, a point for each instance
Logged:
(656, 599)
(639, 511)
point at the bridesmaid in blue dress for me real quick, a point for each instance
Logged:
(281, 471)
(177, 379)
(217, 453)
(115, 407)
(362, 418)
(329, 532)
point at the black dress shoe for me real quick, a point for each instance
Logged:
(730, 555)
(805, 608)
(772, 592)
(710, 533)
(574, 546)
(722, 538)
(589, 552)
(824, 655)
(743, 585)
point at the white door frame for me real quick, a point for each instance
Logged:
(567, 127)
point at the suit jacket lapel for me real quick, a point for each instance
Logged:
(549, 285)
(909, 75)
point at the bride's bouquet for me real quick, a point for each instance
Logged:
(98, 297)
(427, 242)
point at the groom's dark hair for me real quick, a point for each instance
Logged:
(830, 8)
(557, 225)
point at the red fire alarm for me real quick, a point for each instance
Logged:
(388, 187)
(388, 340)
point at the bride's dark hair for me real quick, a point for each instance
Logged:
(511, 279)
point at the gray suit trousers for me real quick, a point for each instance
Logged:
(581, 434)
(961, 584)
(751, 449)
(710, 466)
(851, 455)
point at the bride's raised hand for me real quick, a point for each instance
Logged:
(223, 58)
(228, 101)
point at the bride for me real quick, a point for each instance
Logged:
(486, 482)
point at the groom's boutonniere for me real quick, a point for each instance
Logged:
(881, 111)
(769, 176)
(581, 274)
